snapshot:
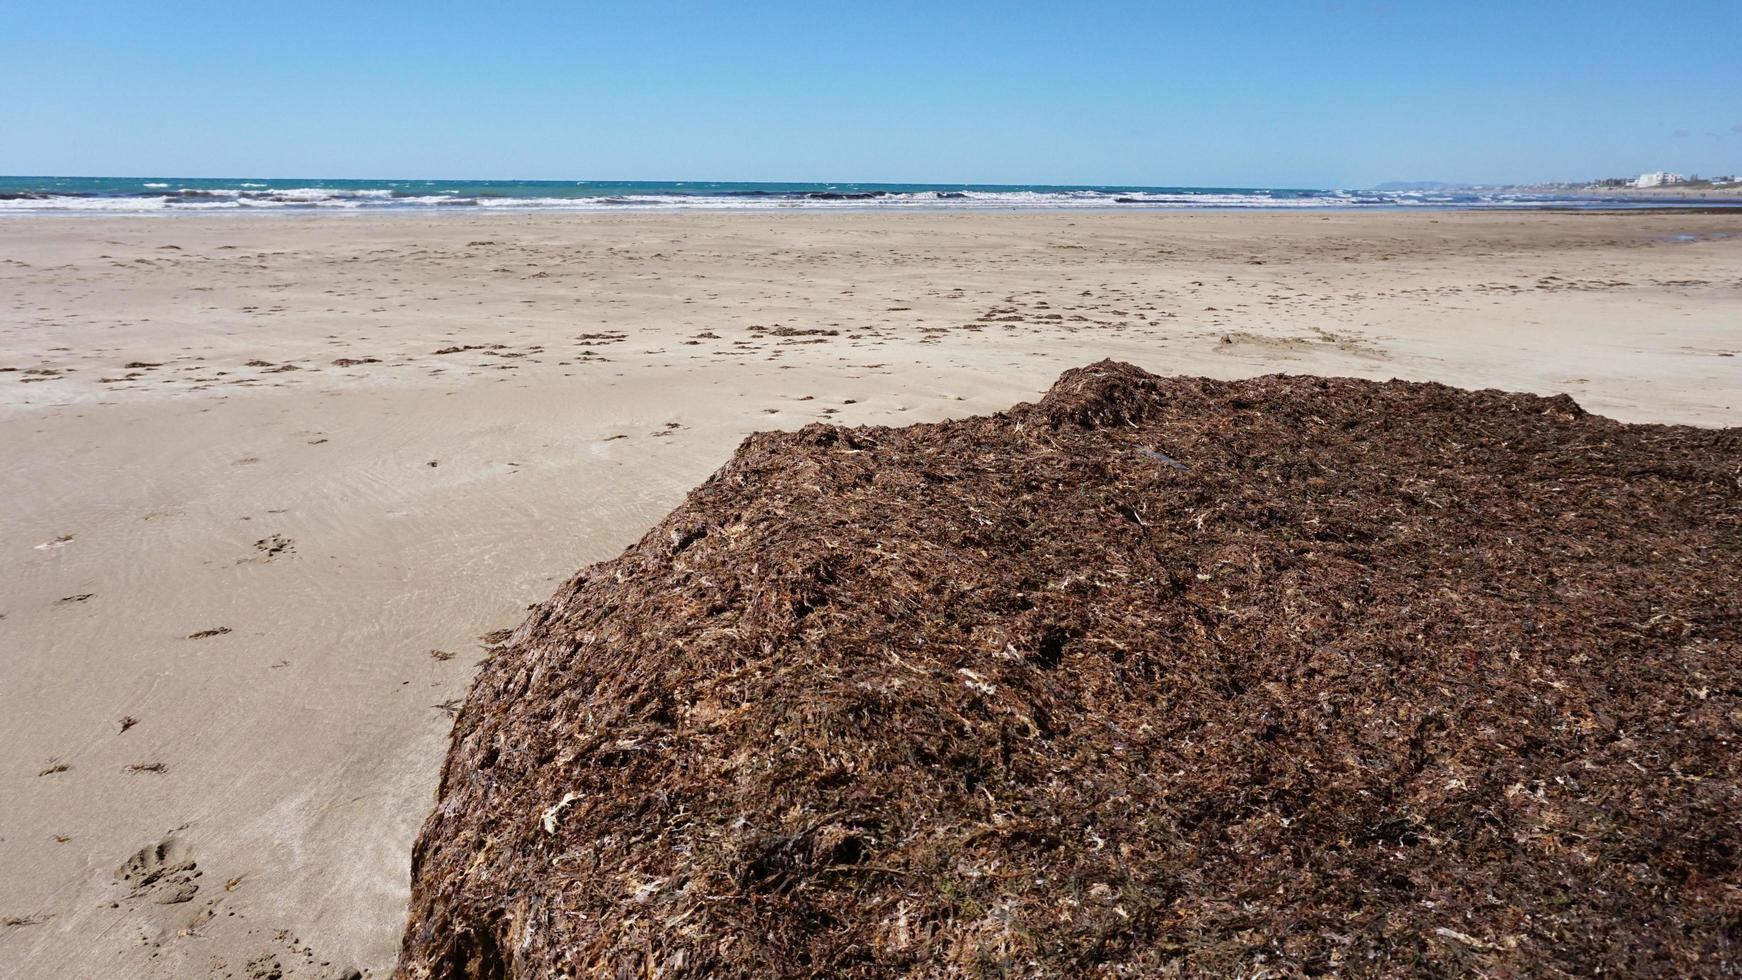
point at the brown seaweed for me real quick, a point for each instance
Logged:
(1154, 677)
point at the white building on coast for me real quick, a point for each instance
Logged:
(1659, 178)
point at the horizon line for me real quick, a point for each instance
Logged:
(766, 180)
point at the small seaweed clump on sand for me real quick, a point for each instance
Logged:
(1154, 677)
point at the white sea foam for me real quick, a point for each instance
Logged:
(261, 197)
(70, 203)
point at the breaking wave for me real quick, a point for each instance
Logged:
(111, 195)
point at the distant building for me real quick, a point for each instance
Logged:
(1659, 178)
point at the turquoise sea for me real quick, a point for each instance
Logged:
(165, 194)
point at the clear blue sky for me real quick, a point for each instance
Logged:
(1278, 93)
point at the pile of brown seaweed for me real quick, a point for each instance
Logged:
(1157, 676)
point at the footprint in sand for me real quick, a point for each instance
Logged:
(163, 872)
(270, 548)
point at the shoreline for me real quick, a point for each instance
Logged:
(1718, 203)
(114, 195)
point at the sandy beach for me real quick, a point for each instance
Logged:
(272, 482)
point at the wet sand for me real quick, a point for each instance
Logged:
(271, 480)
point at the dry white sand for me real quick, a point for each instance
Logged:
(186, 449)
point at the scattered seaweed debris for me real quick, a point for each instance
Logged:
(1394, 679)
(273, 546)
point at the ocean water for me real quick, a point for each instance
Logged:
(171, 194)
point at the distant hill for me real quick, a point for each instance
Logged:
(1414, 185)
